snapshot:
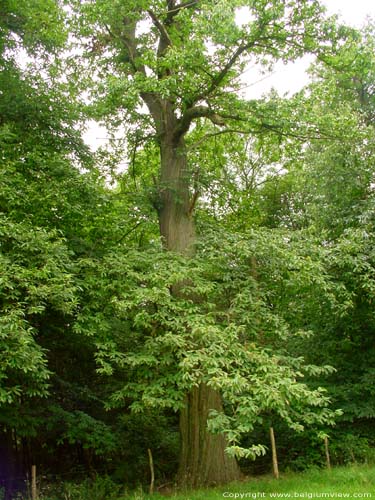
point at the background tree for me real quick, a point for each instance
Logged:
(345, 190)
(54, 210)
(326, 190)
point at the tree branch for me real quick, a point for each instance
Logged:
(164, 42)
(175, 9)
(194, 113)
(128, 232)
(163, 32)
(216, 117)
(215, 134)
(129, 42)
(217, 80)
(193, 202)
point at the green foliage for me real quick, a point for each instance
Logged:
(35, 276)
(137, 433)
(53, 208)
(202, 51)
(327, 187)
(100, 488)
(229, 337)
(347, 448)
(347, 340)
(94, 314)
(78, 427)
(35, 25)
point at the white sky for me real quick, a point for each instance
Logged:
(292, 77)
(352, 11)
(285, 78)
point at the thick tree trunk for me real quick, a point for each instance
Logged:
(203, 460)
(175, 215)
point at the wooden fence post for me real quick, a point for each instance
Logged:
(34, 494)
(274, 454)
(328, 459)
(151, 462)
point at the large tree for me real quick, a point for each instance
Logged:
(162, 68)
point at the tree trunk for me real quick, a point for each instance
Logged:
(203, 460)
(175, 214)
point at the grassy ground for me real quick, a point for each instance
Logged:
(344, 482)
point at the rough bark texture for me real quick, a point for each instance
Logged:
(203, 460)
(175, 215)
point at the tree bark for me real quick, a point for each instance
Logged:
(175, 213)
(275, 464)
(203, 460)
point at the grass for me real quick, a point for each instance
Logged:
(355, 482)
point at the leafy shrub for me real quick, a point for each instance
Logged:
(351, 448)
(100, 488)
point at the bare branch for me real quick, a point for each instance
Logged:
(129, 41)
(216, 117)
(128, 232)
(193, 202)
(163, 32)
(194, 113)
(174, 10)
(218, 79)
(215, 134)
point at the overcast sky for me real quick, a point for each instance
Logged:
(352, 11)
(292, 77)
